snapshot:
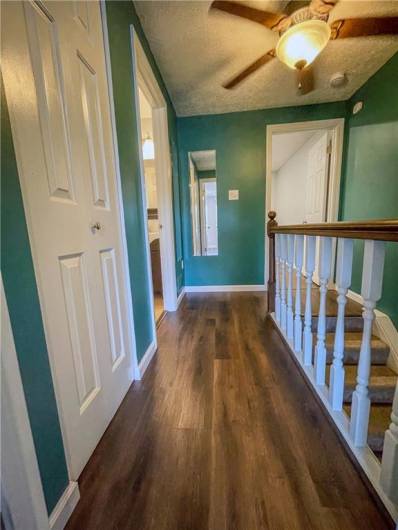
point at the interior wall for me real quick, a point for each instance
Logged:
(370, 188)
(289, 182)
(240, 141)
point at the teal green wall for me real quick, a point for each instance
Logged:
(239, 140)
(209, 174)
(27, 325)
(120, 16)
(371, 174)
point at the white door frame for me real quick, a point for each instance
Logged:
(202, 209)
(336, 127)
(145, 79)
(20, 478)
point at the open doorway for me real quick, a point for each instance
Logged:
(156, 184)
(303, 172)
(152, 206)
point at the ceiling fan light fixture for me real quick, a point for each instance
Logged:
(299, 46)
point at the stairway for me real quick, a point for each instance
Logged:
(383, 379)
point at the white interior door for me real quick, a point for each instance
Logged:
(209, 217)
(317, 187)
(56, 88)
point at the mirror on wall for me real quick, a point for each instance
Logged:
(203, 195)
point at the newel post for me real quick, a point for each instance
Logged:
(271, 260)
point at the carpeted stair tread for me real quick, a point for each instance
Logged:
(352, 346)
(382, 383)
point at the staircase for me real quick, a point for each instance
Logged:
(383, 379)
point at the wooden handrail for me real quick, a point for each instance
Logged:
(380, 230)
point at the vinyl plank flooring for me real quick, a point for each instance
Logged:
(222, 433)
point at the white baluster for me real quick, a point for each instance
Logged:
(283, 251)
(289, 309)
(309, 269)
(325, 260)
(389, 463)
(372, 280)
(277, 279)
(343, 282)
(298, 262)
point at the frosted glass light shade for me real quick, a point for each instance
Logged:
(302, 43)
(148, 149)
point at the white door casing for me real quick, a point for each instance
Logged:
(56, 88)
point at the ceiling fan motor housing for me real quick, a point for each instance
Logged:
(302, 15)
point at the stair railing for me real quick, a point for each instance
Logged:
(290, 248)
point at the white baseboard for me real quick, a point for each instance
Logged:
(180, 297)
(223, 288)
(385, 330)
(65, 506)
(147, 358)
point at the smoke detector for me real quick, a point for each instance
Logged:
(338, 79)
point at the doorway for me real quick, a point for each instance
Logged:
(151, 198)
(303, 173)
(160, 182)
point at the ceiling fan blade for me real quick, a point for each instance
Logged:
(265, 18)
(264, 59)
(322, 7)
(364, 27)
(305, 80)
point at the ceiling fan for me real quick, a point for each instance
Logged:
(303, 33)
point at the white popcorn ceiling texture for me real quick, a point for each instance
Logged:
(198, 51)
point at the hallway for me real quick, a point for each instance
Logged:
(222, 434)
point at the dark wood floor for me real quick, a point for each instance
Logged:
(222, 434)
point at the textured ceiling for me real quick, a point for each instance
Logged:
(197, 51)
(285, 145)
(204, 160)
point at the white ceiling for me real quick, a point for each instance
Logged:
(285, 145)
(197, 51)
(204, 160)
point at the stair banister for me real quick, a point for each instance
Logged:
(383, 477)
(277, 278)
(283, 250)
(310, 244)
(325, 260)
(389, 463)
(289, 304)
(343, 282)
(372, 281)
(273, 262)
(298, 263)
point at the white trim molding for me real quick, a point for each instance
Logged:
(384, 329)
(223, 288)
(22, 498)
(147, 358)
(65, 506)
(180, 297)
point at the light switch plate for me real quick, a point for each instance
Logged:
(233, 195)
